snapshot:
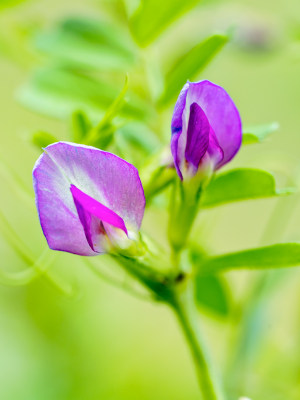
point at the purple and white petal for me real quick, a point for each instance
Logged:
(102, 176)
(95, 217)
(197, 136)
(221, 113)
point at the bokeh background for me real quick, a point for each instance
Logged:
(66, 334)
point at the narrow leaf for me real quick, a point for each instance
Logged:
(87, 43)
(276, 256)
(190, 65)
(102, 134)
(240, 184)
(153, 16)
(58, 92)
(43, 139)
(81, 126)
(258, 134)
(211, 293)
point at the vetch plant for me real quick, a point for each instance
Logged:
(173, 224)
(92, 202)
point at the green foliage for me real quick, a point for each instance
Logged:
(87, 43)
(258, 134)
(102, 134)
(81, 126)
(153, 16)
(240, 184)
(137, 139)
(43, 139)
(276, 256)
(211, 293)
(59, 91)
(189, 65)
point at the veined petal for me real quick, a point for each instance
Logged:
(221, 113)
(103, 176)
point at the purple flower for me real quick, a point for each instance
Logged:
(89, 201)
(206, 128)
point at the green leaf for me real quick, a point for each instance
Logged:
(240, 184)
(276, 256)
(189, 65)
(43, 139)
(211, 293)
(88, 43)
(258, 134)
(58, 92)
(81, 126)
(140, 137)
(153, 16)
(103, 133)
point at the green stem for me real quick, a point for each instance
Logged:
(179, 294)
(187, 315)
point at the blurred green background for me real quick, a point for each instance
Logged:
(68, 334)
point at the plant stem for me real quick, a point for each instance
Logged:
(179, 295)
(187, 315)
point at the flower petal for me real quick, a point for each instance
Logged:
(221, 113)
(87, 208)
(214, 150)
(197, 140)
(176, 124)
(103, 176)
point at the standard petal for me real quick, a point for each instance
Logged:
(103, 176)
(176, 123)
(174, 151)
(221, 113)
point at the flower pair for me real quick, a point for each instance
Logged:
(91, 202)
